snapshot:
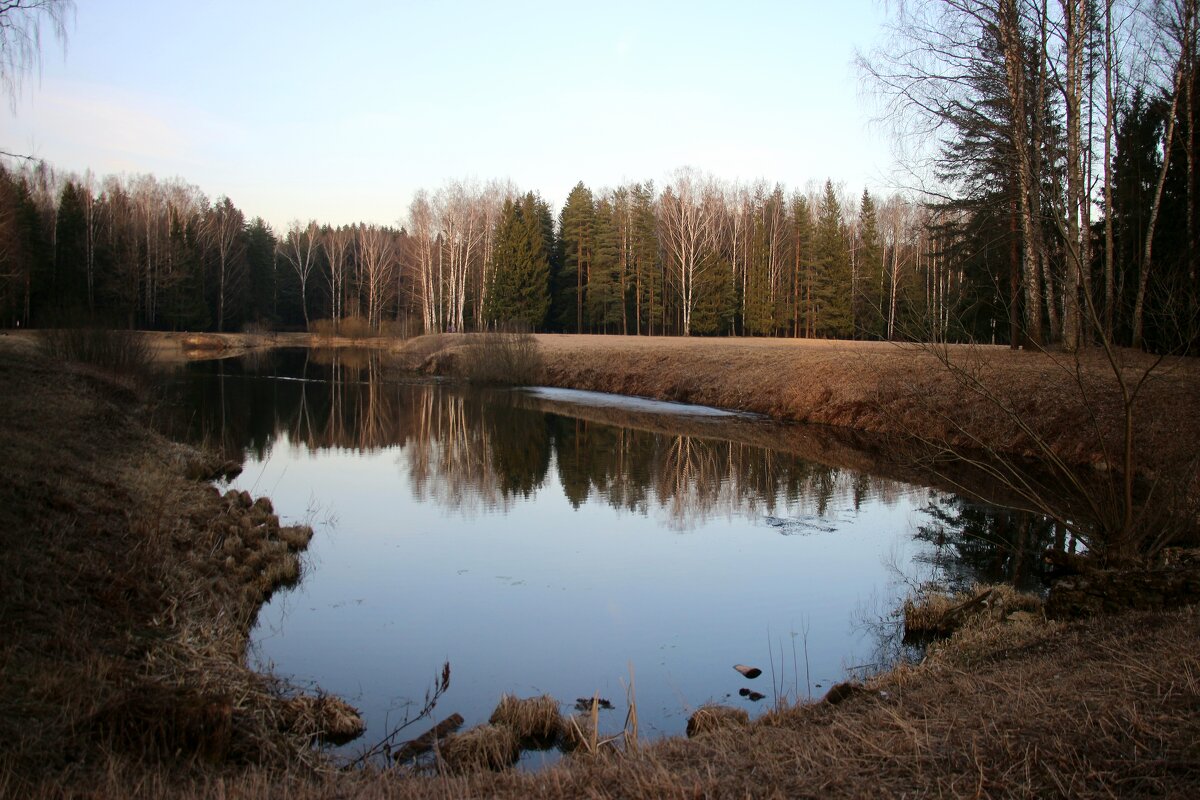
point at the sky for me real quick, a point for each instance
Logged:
(340, 111)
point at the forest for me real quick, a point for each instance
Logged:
(1057, 207)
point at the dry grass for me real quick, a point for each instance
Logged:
(937, 614)
(484, 747)
(710, 718)
(129, 591)
(537, 721)
(1096, 709)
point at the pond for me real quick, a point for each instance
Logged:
(566, 543)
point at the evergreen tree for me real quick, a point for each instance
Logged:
(261, 273)
(181, 303)
(69, 282)
(831, 287)
(605, 301)
(575, 252)
(803, 267)
(869, 298)
(647, 267)
(520, 290)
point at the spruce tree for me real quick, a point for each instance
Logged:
(69, 278)
(831, 289)
(605, 300)
(520, 290)
(575, 246)
(868, 300)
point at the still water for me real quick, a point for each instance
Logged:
(539, 548)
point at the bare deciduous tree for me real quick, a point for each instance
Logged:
(223, 226)
(21, 24)
(299, 249)
(688, 216)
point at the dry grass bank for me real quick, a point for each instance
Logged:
(170, 347)
(128, 589)
(1024, 709)
(888, 388)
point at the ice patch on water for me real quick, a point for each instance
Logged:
(622, 401)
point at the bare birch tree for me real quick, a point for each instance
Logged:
(223, 226)
(21, 25)
(299, 248)
(688, 218)
(377, 262)
(336, 243)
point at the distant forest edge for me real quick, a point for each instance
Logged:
(1056, 143)
(697, 257)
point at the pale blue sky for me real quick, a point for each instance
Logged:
(340, 111)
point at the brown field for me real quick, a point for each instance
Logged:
(127, 587)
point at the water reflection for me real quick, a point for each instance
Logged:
(537, 533)
(470, 450)
(975, 543)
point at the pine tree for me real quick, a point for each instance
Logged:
(605, 301)
(575, 250)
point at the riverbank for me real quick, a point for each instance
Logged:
(958, 396)
(130, 585)
(124, 623)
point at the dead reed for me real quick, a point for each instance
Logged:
(506, 356)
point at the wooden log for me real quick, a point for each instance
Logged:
(426, 741)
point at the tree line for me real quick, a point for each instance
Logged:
(698, 257)
(1058, 206)
(1056, 155)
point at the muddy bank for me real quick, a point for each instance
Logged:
(130, 587)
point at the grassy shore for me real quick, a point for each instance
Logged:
(129, 586)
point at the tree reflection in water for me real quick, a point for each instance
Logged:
(468, 449)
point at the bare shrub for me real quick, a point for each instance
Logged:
(352, 327)
(119, 351)
(355, 327)
(508, 355)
